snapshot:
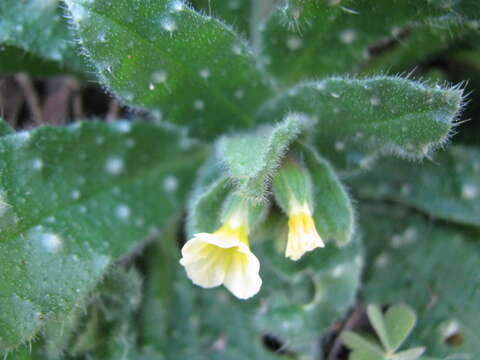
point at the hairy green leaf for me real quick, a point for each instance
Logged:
(447, 187)
(108, 330)
(5, 128)
(404, 50)
(306, 39)
(161, 55)
(72, 201)
(14, 60)
(358, 119)
(38, 28)
(333, 211)
(251, 159)
(236, 13)
(430, 267)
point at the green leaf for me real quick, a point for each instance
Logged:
(333, 212)
(409, 48)
(399, 322)
(434, 272)
(5, 128)
(358, 119)
(39, 28)
(306, 39)
(161, 55)
(74, 200)
(356, 342)
(365, 355)
(448, 187)
(14, 60)
(378, 322)
(205, 215)
(236, 13)
(411, 354)
(251, 159)
(109, 331)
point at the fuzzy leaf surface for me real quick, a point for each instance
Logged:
(333, 210)
(163, 56)
(358, 119)
(107, 330)
(447, 187)
(5, 128)
(234, 12)
(306, 39)
(38, 27)
(73, 200)
(427, 266)
(251, 159)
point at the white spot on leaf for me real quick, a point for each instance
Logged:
(37, 164)
(204, 73)
(198, 104)
(122, 212)
(348, 36)
(170, 183)
(294, 42)
(114, 165)
(469, 191)
(169, 25)
(51, 242)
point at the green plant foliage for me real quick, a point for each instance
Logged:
(359, 119)
(333, 208)
(399, 322)
(72, 201)
(188, 68)
(361, 345)
(38, 28)
(13, 60)
(251, 159)
(239, 109)
(403, 51)
(234, 12)
(392, 328)
(448, 187)
(108, 329)
(408, 262)
(5, 128)
(306, 39)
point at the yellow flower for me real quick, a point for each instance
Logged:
(302, 234)
(223, 257)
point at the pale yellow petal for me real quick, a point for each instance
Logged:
(302, 234)
(242, 277)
